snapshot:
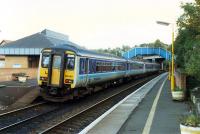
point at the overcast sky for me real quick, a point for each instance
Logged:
(91, 23)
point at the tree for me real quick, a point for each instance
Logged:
(115, 51)
(157, 43)
(125, 48)
(187, 44)
(118, 51)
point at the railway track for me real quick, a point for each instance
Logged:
(20, 109)
(21, 115)
(70, 118)
(77, 122)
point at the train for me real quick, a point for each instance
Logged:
(68, 71)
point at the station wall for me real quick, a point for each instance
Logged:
(16, 61)
(6, 73)
(18, 64)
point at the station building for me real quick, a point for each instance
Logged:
(23, 55)
(25, 52)
(2, 57)
(3, 42)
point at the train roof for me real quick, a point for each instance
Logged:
(84, 52)
(88, 53)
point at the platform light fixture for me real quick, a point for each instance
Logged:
(172, 51)
(163, 23)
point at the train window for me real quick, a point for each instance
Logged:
(99, 66)
(149, 66)
(45, 60)
(141, 66)
(92, 66)
(70, 62)
(98, 69)
(127, 66)
(107, 66)
(113, 68)
(83, 67)
(56, 61)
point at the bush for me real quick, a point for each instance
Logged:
(190, 120)
(178, 89)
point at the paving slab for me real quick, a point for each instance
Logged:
(168, 113)
(166, 118)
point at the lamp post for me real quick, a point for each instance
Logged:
(172, 51)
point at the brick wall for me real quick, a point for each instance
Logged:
(6, 73)
(12, 61)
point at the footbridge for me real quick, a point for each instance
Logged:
(148, 53)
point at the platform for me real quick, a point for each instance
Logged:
(154, 112)
(28, 83)
(16, 94)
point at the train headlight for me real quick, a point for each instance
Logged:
(43, 78)
(68, 81)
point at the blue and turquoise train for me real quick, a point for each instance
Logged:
(67, 71)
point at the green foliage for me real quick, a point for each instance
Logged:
(166, 65)
(115, 51)
(119, 51)
(190, 120)
(178, 89)
(192, 66)
(157, 43)
(187, 44)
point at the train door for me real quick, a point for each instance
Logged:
(55, 72)
(87, 70)
(69, 69)
(86, 67)
(84, 70)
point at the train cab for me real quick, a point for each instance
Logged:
(56, 73)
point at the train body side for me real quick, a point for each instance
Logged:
(98, 70)
(65, 71)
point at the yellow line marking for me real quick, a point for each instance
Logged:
(149, 121)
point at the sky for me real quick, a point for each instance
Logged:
(93, 24)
